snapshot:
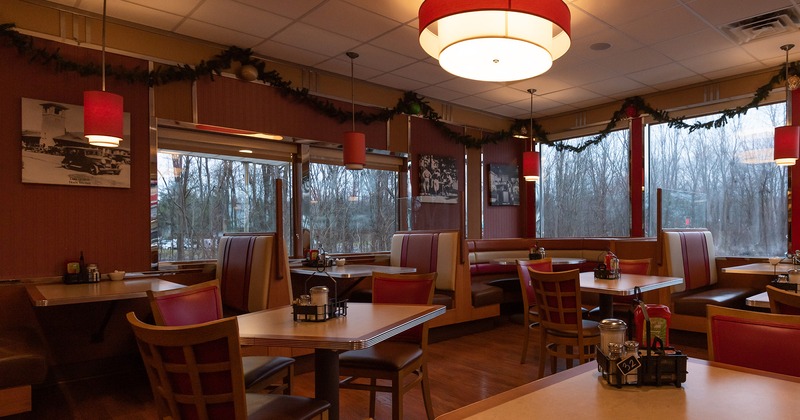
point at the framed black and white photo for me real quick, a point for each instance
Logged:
(54, 150)
(438, 179)
(503, 185)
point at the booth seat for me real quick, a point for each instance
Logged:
(441, 252)
(23, 355)
(690, 254)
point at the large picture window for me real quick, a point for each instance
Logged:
(586, 193)
(200, 197)
(723, 179)
(348, 211)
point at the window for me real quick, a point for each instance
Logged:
(723, 179)
(586, 193)
(348, 211)
(200, 197)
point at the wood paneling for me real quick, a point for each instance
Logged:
(44, 226)
(503, 221)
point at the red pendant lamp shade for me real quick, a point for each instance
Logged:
(787, 145)
(355, 152)
(102, 118)
(530, 166)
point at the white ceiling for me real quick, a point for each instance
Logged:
(655, 45)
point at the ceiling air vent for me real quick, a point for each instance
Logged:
(762, 26)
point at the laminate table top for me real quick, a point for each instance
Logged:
(52, 294)
(711, 391)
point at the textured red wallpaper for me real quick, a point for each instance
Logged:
(44, 226)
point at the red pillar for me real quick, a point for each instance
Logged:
(636, 177)
(794, 180)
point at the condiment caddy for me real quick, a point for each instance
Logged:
(318, 305)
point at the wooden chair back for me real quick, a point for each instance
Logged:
(188, 305)
(558, 296)
(757, 340)
(635, 266)
(405, 289)
(195, 371)
(783, 301)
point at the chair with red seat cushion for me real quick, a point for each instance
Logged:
(530, 314)
(195, 371)
(783, 301)
(201, 303)
(398, 357)
(756, 340)
(563, 331)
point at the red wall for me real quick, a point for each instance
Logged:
(44, 226)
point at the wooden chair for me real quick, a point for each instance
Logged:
(530, 313)
(562, 327)
(402, 355)
(201, 303)
(783, 301)
(195, 371)
(756, 340)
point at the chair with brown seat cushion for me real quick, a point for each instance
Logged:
(398, 357)
(195, 371)
(756, 340)
(563, 331)
(201, 303)
(530, 313)
(783, 301)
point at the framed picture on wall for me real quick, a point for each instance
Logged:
(438, 179)
(503, 185)
(54, 150)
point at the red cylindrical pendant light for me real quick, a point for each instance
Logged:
(530, 166)
(102, 111)
(787, 138)
(354, 145)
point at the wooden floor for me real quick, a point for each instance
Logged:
(463, 370)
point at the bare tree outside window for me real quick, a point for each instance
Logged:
(348, 211)
(201, 197)
(723, 179)
(587, 193)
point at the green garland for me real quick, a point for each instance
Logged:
(410, 103)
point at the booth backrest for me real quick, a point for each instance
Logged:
(253, 274)
(482, 253)
(690, 255)
(752, 339)
(429, 252)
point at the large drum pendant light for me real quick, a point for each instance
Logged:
(530, 158)
(787, 138)
(102, 111)
(354, 145)
(495, 40)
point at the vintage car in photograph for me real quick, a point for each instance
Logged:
(90, 160)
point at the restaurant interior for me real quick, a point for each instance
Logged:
(345, 191)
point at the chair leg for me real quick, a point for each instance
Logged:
(570, 351)
(289, 380)
(397, 399)
(525, 341)
(372, 383)
(426, 391)
(542, 351)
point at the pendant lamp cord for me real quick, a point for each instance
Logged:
(786, 48)
(103, 50)
(352, 56)
(533, 149)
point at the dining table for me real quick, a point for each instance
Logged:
(353, 274)
(364, 325)
(766, 269)
(711, 391)
(112, 291)
(625, 285)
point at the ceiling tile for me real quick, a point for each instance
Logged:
(293, 9)
(314, 39)
(242, 18)
(400, 11)
(353, 22)
(721, 12)
(666, 24)
(224, 36)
